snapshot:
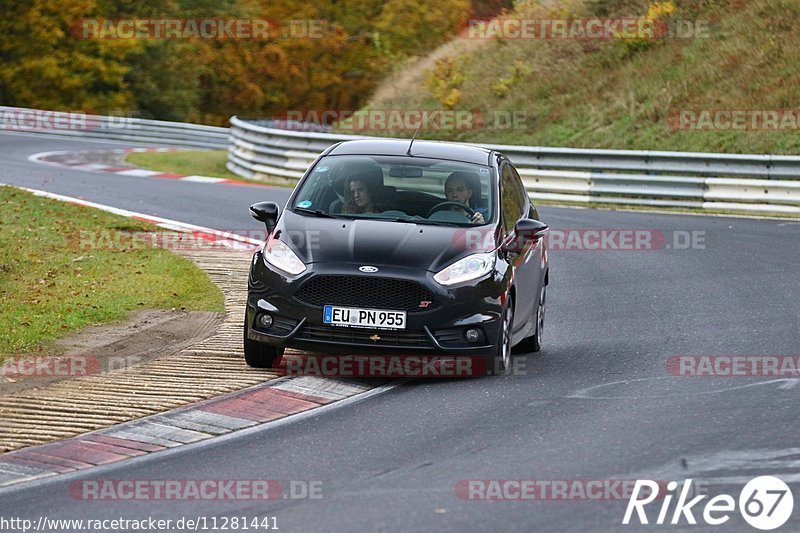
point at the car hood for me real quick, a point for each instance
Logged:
(381, 242)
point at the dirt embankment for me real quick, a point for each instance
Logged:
(146, 335)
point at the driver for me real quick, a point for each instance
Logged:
(458, 188)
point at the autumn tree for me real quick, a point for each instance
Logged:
(355, 43)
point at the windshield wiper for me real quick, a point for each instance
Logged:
(396, 219)
(423, 222)
(315, 212)
(443, 223)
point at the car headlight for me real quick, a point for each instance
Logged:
(279, 255)
(471, 267)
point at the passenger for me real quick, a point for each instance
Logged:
(459, 188)
(361, 196)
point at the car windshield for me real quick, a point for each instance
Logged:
(398, 188)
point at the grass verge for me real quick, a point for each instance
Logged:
(53, 281)
(189, 162)
(193, 162)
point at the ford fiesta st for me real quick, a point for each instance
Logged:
(397, 247)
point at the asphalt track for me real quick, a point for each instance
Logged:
(597, 404)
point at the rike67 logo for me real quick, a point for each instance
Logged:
(765, 503)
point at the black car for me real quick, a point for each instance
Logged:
(397, 247)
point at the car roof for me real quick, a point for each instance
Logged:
(433, 149)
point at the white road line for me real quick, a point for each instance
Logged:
(726, 467)
(89, 166)
(158, 221)
(138, 172)
(40, 158)
(202, 179)
(589, 393)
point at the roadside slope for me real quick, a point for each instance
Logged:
(208, 368)
(65, 267)
(618, 93)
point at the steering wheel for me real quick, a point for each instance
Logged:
(441, 205)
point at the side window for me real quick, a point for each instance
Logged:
(512, 203)
(523, 194)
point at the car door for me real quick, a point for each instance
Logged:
(520, 252)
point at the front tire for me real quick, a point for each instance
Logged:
(502, 358)
(258, 354)
(534, 342)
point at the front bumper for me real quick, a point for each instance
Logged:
(435, 329)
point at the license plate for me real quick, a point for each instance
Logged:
(363, 318)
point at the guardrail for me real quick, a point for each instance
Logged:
(624, 177)
(647, 178)
(118, 128)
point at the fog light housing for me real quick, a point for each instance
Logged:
(472, 335)
(264, 320)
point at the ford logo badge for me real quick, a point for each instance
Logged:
(368, 269)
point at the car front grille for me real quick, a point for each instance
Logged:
(365, 337)
(366, 291)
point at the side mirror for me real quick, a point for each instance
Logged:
(527, 229)
(530, 228)
(266, 212)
